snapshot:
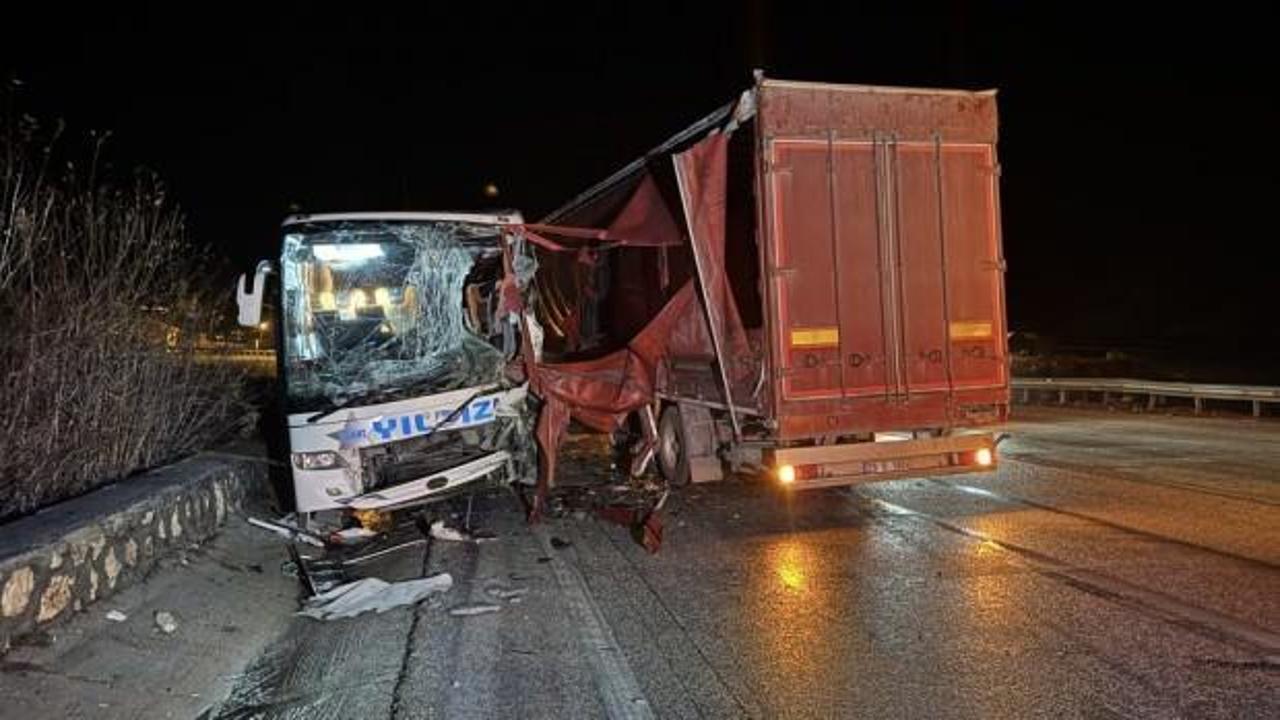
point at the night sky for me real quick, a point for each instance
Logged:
(1139, 150)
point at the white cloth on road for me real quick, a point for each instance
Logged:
(368, 594)
(440, 531)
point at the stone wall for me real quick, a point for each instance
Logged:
(68, 556)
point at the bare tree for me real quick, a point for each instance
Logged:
(101, 299)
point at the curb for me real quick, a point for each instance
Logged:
(66, 557)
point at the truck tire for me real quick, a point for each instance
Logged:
(673, 447)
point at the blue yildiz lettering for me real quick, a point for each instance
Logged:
(384, 428)
(482, 410)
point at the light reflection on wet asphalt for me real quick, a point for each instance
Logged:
(911, 598)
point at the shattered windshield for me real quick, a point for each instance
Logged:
(371, 308)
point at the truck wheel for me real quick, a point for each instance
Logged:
(673, 449)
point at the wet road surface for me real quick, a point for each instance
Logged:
(1116, 565)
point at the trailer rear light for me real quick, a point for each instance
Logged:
(786, 474)
(983, 456)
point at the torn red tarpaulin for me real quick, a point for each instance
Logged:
(570, 292)
(701, 172)
(601, 392)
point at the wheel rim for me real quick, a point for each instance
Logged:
(669, 449)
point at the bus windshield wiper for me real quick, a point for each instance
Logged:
(358, 399)
(364, 398)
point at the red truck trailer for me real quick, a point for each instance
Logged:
(808, 282)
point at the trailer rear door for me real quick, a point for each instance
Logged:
(882, 245)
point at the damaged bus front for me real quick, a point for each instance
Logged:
(401, 371)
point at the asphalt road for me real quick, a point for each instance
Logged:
(1116, 565)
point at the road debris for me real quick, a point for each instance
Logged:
(361, 596)
(559, 544)
(502, 592)
(351, 536)
(286, 529)
(166, 622)
(440, 531)
(469, 609)
(634, 505)
(645, 524)
(116, 616)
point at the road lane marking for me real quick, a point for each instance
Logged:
(1206, 621)
(1021, 459)
(1157, 537)
(619, 690)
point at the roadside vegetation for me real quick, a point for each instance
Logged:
(102, 300)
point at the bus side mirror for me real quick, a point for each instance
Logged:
(250, 301)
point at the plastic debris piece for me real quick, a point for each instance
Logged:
(361, 596)
(166, 622)
(351, 536)
(116, 616)
(500, 592)
(440, 531)
(559, 544)
(468, 609)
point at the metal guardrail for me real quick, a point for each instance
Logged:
(238, 352)
(1155, 390)
(247, 357)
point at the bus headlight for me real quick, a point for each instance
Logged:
(323, 460)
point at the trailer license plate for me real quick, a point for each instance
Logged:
(882, 466)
